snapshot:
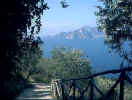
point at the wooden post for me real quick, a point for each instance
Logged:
(122, 85)
(91, 90)
(63, 93)
(53, 87)
(74, 90)
(58, 92)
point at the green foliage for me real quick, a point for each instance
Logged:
(105, 84)
(114, 17)
(28, 64)
(64, 63)
(64, 4)
(70, 63)
(20, 50)
(45, 67)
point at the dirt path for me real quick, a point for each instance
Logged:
(40, 91)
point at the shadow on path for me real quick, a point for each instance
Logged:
(40, 91)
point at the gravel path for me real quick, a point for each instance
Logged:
(40, 91)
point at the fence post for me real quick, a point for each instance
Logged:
(63, 93)
(122, 85)
(74, 90)
(91, 90)
(54, 89)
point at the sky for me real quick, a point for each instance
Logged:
(57, 19)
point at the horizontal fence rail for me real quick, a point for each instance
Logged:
(115, 71)
(70, 89)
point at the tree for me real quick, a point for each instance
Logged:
(64, 4)
(46, 70)
(19, 40)
(70, 63)
(29, 63)
(115, 19)
(64, 63)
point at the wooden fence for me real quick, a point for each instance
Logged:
(61, 87)
(55, 88)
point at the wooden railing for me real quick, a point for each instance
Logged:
(70, 89)
(55, 88)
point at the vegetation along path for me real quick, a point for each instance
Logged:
(40, 91)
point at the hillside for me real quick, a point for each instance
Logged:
(90, 41)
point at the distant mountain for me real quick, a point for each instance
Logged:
(83, 33)
(90, 41)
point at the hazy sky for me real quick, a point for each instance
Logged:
(78, 14)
